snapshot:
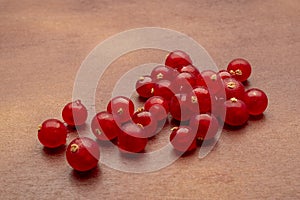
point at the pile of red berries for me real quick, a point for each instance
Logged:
(200, 101)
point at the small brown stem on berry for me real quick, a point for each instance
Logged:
(98, 131)
(140, 109)
(233, 100)
(194, 99)
(231, 85)
(238, 72)
(74, 148)
(120, 111)
(159, 76)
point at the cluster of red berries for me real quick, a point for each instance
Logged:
(200, 101)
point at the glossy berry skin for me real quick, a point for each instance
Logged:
(183, 83)
(132, 138)
(74, 113)
(234, 88)
(224, 74)
(104, 126)
(240, 69)
(190, 69)
(162, 72)
(145, 86)
(206, 126)
(236, 112)
(122, 109)
(201, 97)
(177, 59)
(183, 139)
(52, 133)
(163, 89)
(83, 154)
(212, 81)
(181, 107)
(158, 107)
(147, 121)
(256, 101)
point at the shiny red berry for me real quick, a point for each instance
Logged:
(240, 69)
(162, 72)
(74, 113)
(52, 133)
(190, 69)
(212, 81)
(132, 138)
(234, 88)
(122, 109)
(163, 89)
(183, 139)
(158, 107)
(147, 121)
(201, 97)
(181, 107)
(256, 101)
(206, 126)
(145, 86)
(83, 154)
(183, 83)
(177, 59)
(104, 126)
(236, 112)
(223, 74)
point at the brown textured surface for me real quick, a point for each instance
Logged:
(43, 44)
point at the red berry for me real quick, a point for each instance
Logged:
(234, 88)
(147, 121)
(190, 69)
(240, 69)
(75, 113)
(183, 83)
(83, 154)
(236, 112)
(52, 133)
(132, 138)
(183, 139)
(206, 126)
(121, 108)
(145, 86)
(162, 72)
(223, 74)
(212, 81)
(158, 107)
(177, 59)
(163, 89)
(256, 101)
(181, 107)
(201, 97)
(104, 126)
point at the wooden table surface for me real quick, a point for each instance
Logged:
(43, 44)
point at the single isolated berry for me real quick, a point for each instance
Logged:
(104, 126)
(240, 69)
(178, 59)
(236, 112)
(162, 72)
(234, 88)
(132, 138)
(183, 139)
(122, 109)
(158, 107)
(206, 126)
(256, 101)
(145, 86)
(147, 121)
(83, 154)
(74, 113)
(52, 133)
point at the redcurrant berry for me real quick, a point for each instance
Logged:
(177, 59)
(236, 112)
(162, 72)
(147, 121)
(256, 101)
(212, 81)
(181, 107)
(132, 138)
(240, 69)
(190, 69)
(163, 89)
(158, 106)
(104, 126)
(234, 88)
(183, 83)
(52, 133)
(206, 126)
(75, 113)
(201, 97)
(183, 139)
(122, 109)
(83, 154)
(145, 86)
